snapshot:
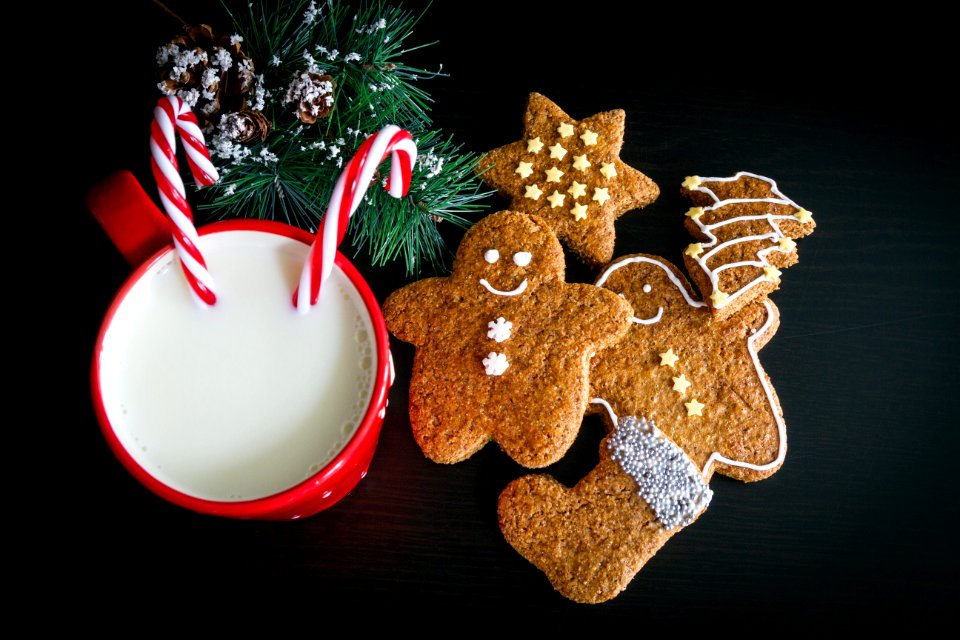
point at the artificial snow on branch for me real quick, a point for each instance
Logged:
(294, 90)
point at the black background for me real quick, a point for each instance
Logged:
(859, 526)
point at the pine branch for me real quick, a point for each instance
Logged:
(291, 173)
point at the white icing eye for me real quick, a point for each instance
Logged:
(647, 288)
(522, 258)
(491, 255)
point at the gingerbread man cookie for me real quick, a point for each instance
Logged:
(503, 345)
(569, 172)
(698, 378)
(745, 230)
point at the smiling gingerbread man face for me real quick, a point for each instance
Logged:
(503, 346)
(508, 255)
(654, 289)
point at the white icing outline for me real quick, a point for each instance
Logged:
(781, 427)
(513, 292)
(491, 255)
(775, 236)
(654, 320)
(670, 274)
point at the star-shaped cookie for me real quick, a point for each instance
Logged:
(569, 173)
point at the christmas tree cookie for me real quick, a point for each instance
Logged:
(744, 229)
(503, 345)
(569, 172)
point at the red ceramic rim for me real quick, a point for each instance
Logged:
(306, 490)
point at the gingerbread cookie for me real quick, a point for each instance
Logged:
(591, 540)
(699, 379)
(503, 345)
(745, 230)
(569, 172)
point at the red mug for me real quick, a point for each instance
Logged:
(247, 409)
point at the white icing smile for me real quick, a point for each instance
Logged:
(513, 292)
(653, 320)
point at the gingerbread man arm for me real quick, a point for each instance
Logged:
(408, 311)
(601, 317)
(770, 434)
(764, 319)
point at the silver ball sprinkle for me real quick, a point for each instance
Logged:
(667, 478)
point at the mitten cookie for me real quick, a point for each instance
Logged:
(503, 346)
(569, 173)
(745, 231)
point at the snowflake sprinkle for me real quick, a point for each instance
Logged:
(495, 363)
(499, 329)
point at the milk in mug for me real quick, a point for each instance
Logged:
(246, 398)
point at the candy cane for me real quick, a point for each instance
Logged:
(349, 190)
(171, 115)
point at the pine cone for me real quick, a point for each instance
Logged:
(313, 94)
(210, 74)
(246, 127)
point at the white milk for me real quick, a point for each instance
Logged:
(246, 398)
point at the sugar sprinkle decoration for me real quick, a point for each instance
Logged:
(668, 480)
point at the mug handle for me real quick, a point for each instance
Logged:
(132, 221)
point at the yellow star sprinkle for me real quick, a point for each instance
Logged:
(694, 249)
(787, 244)
(608, 170)
(803, 215)
(553, 174)
(691, 182)
(668, 358)
(680, 384)
(600, 194)
(694, 408)
(694, 212)
(589, 138)
(580, 162)
(579, 212)
(533, 192)
(576, 190)
(557, 152)
(556, 199)
(771, 273)
(524, 169)
(565, 130)
(719, 298)
(534, 145)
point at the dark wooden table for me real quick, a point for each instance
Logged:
(860, 524)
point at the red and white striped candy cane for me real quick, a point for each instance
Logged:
(170, 116)
(351, 185)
